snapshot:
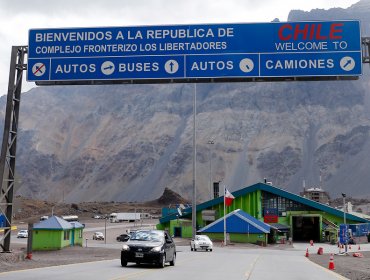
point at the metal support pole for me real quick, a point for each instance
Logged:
(29, 241)
(105, 230)
(194, 200)
(365, 49)
(345, 223)
(210, 142)
(9, 145)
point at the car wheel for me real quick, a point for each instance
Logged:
(123, 262)
(172, 263)
(210, 250)
(162, 261)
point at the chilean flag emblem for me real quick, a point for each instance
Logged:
(228, 197)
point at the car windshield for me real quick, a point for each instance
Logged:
(147, 236)
(202, 238)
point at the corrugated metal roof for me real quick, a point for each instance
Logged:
(273, 190)
(53, 223)
(280, 227)
(77, 225)
(237, 222)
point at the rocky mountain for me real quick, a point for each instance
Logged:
(130, 142)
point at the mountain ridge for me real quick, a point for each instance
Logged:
(131, 142)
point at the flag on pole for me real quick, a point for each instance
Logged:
(228, 200)
(228, 197)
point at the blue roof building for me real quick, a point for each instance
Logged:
(289, 214)
(55, 233)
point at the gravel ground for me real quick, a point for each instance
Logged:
(348, 266)
(16, 261)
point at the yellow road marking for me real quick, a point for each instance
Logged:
(252, 265)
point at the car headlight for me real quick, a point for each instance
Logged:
(157, 249)
(125, 247)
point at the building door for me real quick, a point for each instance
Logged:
(306, 228)
(72, 237)
(177, 232)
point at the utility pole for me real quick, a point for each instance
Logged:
(345, 223)
(194, 200)
(210, 142)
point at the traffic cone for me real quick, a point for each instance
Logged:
(307, 254)
(331, 262)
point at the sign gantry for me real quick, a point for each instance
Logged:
(183, 53)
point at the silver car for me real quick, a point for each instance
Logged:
(201, 242)
(22, 233)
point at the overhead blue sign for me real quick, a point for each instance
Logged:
(185, 52)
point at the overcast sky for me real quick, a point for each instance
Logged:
(17, 17)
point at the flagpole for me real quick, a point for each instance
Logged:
(224, 215)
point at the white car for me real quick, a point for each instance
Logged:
(201, 242)
(22, 233)
(98, 236)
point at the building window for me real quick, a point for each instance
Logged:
(66, 235)
(272, 202)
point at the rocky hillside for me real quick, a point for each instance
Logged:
(30, 210)
(130, 142)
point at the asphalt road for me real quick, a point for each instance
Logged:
(223, 263)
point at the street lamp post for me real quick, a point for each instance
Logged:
(105, 230)
(210, 142)
(345, 223)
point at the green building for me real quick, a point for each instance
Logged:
(56, 233)
(289, 216)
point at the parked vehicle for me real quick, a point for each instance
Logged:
(201, 242)
(149, 246)
(123, 237)
(70, 218)
(23, 233)
(121, 217)
(98, 236)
